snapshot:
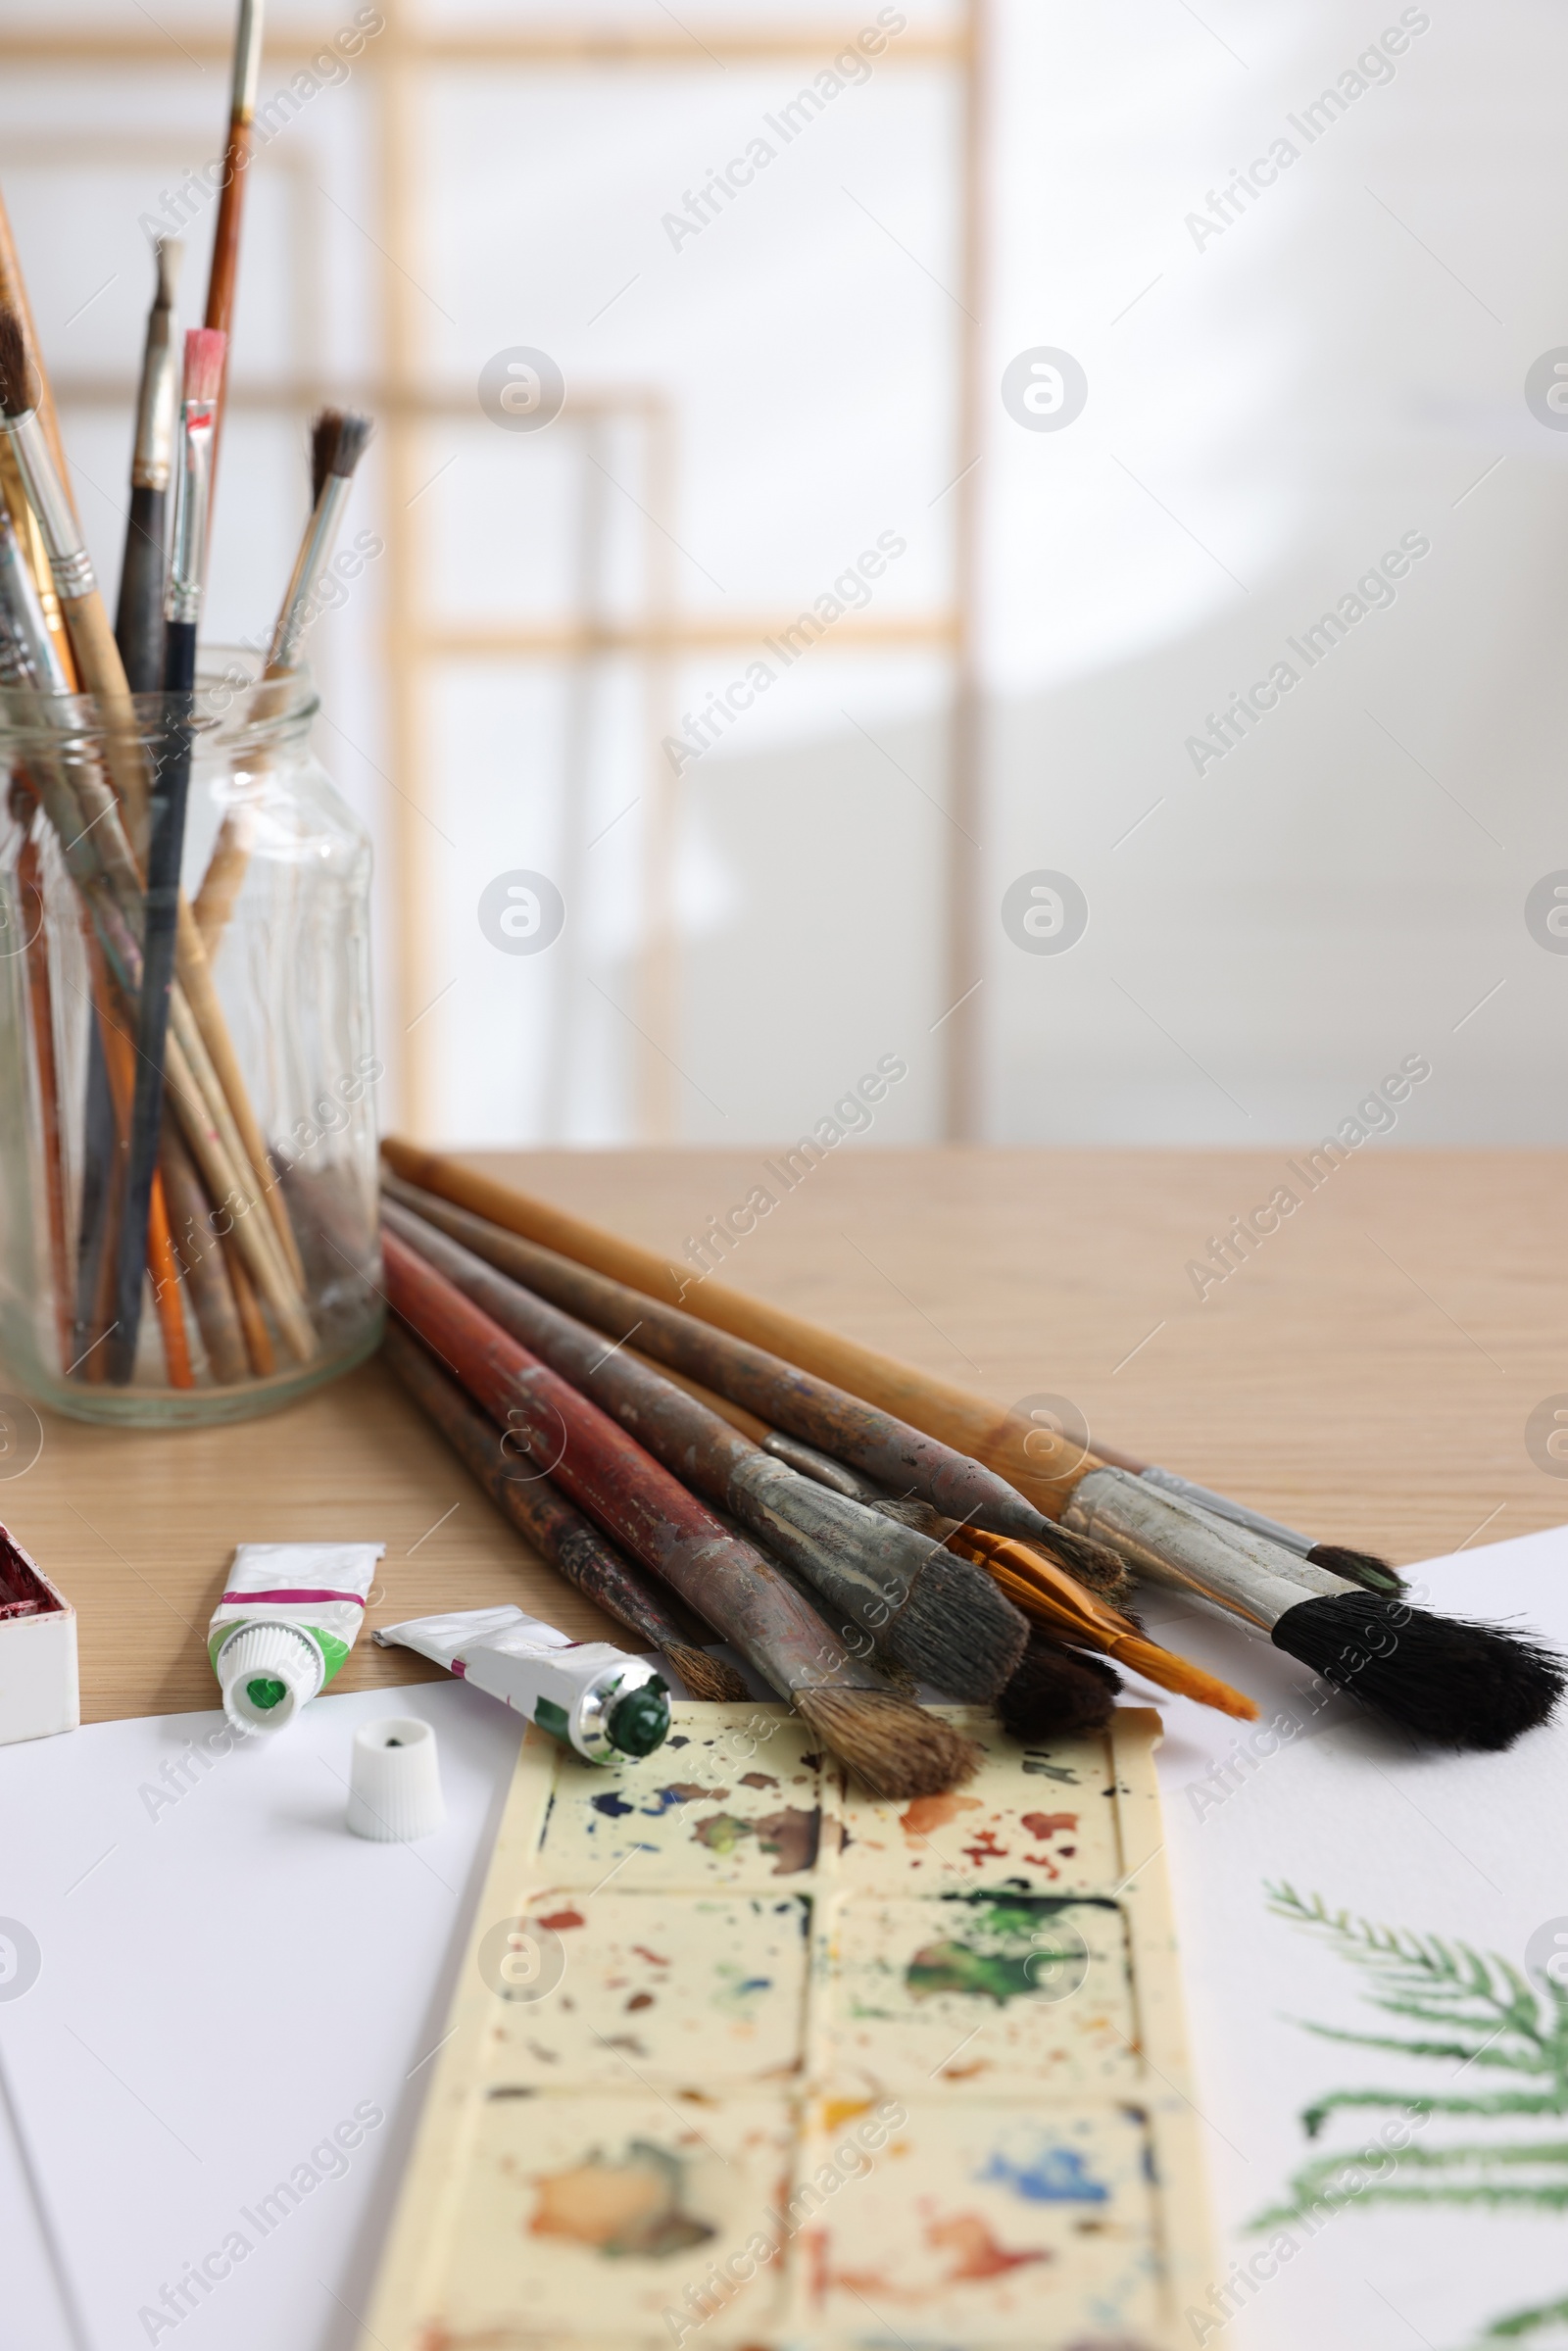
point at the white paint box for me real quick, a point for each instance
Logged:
(40, 1693)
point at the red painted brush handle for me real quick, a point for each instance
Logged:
(633, 1497)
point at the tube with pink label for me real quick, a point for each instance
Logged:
(289, 1615)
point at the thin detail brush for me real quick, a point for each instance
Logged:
(572, 1544)
(204, 360)
(139, 617)
(338, 442)
(224, 269)
(1352, 1566)
(933, 1612)
(899, 1748)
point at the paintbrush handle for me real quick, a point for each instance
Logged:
(139, 617)
(965, 1423)
(531, 1503)
(170, 795)
(631, 1495)
(890, 1452)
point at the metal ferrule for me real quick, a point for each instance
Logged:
(23, 631)
(68, 559)
(314, 553)
(247, 61)
(1171, 1541)
(158, 408)
(183, 602)
(1220, 1505)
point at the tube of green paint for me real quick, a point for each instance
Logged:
(289, 1615)
(591, 1696)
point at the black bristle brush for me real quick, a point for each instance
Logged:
(937, 1615)
(1058, 1693)
(1446, 1680)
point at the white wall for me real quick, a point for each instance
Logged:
(1267, 413)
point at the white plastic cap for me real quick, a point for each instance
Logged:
(395, 1780)
(267, 1673)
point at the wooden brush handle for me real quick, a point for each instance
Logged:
(201, 1255)
(969, 1423)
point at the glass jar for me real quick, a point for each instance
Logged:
(258, 1276)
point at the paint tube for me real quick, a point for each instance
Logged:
(589, 1695)
(289, 1615)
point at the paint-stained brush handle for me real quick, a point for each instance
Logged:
(630, 1494)
(532, 1505)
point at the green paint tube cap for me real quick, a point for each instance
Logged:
(640, 1721)
(267, 1674)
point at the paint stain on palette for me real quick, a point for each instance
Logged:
(969, 1990)
(595, 2215)
(744, 2058)
(1053, 1830)
(979, 2220)
(730, 1805)
(660, 1987)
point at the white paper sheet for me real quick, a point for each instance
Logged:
(225, 1977)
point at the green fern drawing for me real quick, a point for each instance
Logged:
(1475, 2016)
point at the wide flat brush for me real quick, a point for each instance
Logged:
(935, 1614)
(895, 1456)
(899, 1748)
(571, 1543)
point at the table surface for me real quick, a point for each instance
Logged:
(1366, 1372)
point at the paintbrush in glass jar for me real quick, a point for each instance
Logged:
(338, 441)
(900, 1749)
(572, 1544)
(139, 616)
(204, 368)
(935, 1614)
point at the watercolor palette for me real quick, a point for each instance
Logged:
(740, 2054)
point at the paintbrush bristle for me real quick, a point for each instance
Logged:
(956, 1632)
(205, 347)
(708, 1677)
(1356, 1567)
(899, 1750)
(324, 429)
(170, 253)
(1058, 1691)
(1096, 1565)
(19, 382)
(354, 433)
(1454, 1683)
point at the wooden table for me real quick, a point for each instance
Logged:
(1367, 1373)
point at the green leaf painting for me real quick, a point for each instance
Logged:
(1494, 2048)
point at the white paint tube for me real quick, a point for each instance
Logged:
(289, 1615)
(592, 1697)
